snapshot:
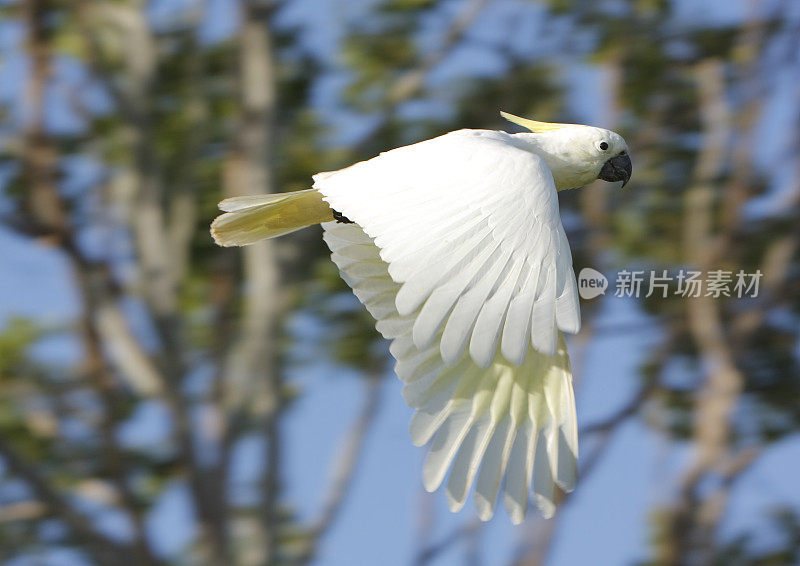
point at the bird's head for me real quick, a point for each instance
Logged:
(577, 154)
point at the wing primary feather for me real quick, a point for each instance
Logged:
(517, 328)
(515, 493)
(568, 316)
(488, 326)
(420, 391)
(543, 484)
(460, 324)
(445, 444)
(442, 300)
(468, 461)
(492, 469)
(418, 286)
(543, 317)
(427, 420)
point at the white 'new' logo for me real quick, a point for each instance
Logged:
(591, 283)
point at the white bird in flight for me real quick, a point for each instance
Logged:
(455, 246)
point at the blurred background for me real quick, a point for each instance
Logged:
(164, 401)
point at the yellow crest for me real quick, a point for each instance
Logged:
(532, 125)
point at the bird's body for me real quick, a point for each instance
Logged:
(456, 248)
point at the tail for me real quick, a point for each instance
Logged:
(249, 219)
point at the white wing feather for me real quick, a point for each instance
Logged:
(506, 420)
(468, 224)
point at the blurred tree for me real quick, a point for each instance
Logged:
(182, 119)
(170, 122)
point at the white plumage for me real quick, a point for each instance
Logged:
(489, 237)
(472, 413)
(456, 248)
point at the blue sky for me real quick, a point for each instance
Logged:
(606, 521)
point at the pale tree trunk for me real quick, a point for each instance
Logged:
(44, 213)
(252, 380)
(594, 200)
(692, 525)
(159, 227)
(693, 522)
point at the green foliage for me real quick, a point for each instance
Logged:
(18, 335)
(190, 110)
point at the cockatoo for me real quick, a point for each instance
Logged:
(455, 246)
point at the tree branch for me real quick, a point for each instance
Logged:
(105, 550)
(344, 468)
(429, 553)
(409, 83)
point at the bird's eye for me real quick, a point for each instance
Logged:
(604, 145)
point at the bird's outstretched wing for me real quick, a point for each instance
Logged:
(507, 421)
(456, 247)
(468, 224)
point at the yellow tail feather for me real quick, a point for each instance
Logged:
(249, 219)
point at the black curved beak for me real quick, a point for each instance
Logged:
(617, 168)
